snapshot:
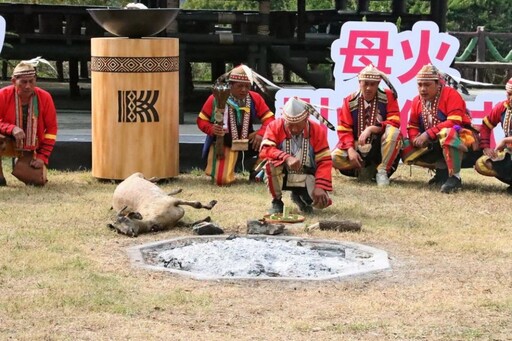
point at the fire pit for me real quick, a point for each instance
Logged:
(134, 23)
(259, 258)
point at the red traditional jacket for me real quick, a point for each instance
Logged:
(258, 109)
(46, 123)
(451, 111)
(276, 134)
(501, 113)
(349, 120)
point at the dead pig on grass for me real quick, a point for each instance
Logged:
(143, 207)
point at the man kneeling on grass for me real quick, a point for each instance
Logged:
(297, 158)
(28, 119)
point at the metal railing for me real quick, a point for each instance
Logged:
(489, 64)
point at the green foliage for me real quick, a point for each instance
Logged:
(462, 15)
(467, 15)
(399, 24)
(276, 5)
(113, 3)
(319, 4)
(220, 5)
(418, 7)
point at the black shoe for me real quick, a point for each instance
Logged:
(3, 182)
(277, 206)
(451, 185)
(440, 177)
(301, 203)
(252, 176)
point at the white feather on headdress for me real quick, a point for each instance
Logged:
(35, 62)
(25, 65)
(296, 109)
(253, 77)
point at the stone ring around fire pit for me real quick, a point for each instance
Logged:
(253, 257)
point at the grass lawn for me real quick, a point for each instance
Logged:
(65, 276)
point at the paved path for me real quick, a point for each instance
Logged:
(75, 126)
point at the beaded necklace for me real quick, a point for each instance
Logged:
(361, 114)
(304, 151)
(244, 109)
(429, 111)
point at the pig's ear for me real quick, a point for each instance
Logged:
(135, 215)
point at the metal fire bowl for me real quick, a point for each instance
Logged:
(134, 23)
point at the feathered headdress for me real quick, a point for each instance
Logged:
(371, 73)
(431, 73)
(243, 73)
(28, 67)
(508, 86)
(296, 110)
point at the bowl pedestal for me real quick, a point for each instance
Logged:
(135, 107)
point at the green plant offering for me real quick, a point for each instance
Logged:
(282, 217)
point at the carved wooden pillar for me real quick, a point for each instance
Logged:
(263, 30)
(301, 19)
(438, 9)
(398, 7)
(363, 6)
(340, 4)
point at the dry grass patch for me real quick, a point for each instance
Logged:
(65, 276)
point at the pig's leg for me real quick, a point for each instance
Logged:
(196, 204)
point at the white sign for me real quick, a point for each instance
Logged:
(398, 54)
(2, 32)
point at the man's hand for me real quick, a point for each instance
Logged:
(19, 136)
(218, 130)
(320, 197)
(355, 159)
(365, 135)
(293, 163)
(255, 141)
(37, 163)
(421, 141)
(490, 152)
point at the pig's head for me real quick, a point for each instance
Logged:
(128, 224)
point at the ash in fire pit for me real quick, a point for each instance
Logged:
(256, 257)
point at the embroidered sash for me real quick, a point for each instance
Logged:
(30, 142)
(507, 121)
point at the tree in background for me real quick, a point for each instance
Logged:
(113, 3)
(462, 15)
(466, 15)
(277, 5)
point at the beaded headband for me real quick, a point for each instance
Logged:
(295, 111)
(238, 74)
(27, 68)
(428, 73)
(370, 73)
(23, 70)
